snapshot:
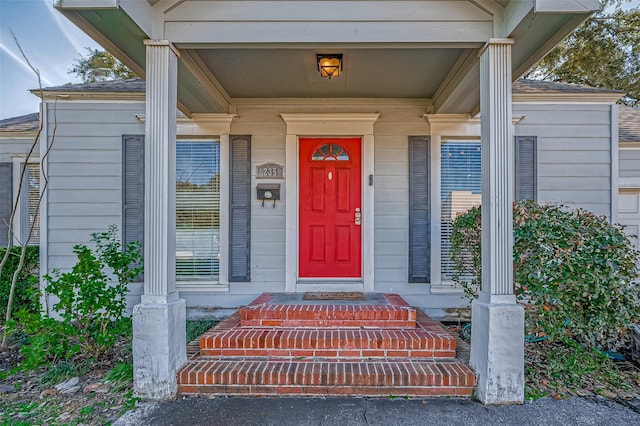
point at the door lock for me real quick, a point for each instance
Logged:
(358, 217)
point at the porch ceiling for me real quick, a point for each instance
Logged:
(267, 49)
(293, 73)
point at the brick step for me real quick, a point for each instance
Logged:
(372, 378)
(328, 343)
(394, 312)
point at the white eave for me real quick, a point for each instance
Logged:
(568, 98)
(89, 96)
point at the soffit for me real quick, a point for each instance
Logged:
(367, 73)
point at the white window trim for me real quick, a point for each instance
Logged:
(195, 283)
(444, 286)
(444, 127)
(215, 127)
(18, 162)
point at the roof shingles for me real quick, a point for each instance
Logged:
(23, 123)
(629, 122)
(129, 85)
(539, 86)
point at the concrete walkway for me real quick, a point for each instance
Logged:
(242, 411)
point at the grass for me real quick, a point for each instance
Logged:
(197, 327)
(64, 370)
(120, 377)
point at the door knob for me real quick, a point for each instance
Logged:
(358, 217)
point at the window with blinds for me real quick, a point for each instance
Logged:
(30, 199)
(197, 210)
(461, 183)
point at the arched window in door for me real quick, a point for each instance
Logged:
(331, 152)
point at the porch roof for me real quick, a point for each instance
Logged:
(522, 88)
(267, 49)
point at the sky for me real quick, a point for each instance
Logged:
(50, 41)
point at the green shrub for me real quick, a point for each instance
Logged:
(27, 286)
(465, 251)
(91, 303)
(575, 271)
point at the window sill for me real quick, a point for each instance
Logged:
(446, 287)
(202, 286)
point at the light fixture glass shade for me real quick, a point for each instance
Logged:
(330, 65)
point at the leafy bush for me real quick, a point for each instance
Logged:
(91, 303)
(465, 251)
(27, 285)
(574, 270)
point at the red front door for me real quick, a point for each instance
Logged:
(330, 209)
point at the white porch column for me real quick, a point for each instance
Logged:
(497, 338)
(159, 336)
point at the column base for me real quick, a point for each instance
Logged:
(159, 348)
(497, 349)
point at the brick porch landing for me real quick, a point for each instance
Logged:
(283, 345)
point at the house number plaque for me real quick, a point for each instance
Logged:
(270, 171)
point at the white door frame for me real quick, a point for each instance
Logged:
(328, 125)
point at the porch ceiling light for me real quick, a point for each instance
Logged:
(329, 64)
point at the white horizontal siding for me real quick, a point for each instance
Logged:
(78, 170)
(563, 170)
(75, 209)
(385, 248)
(267, 132)
(391, 182)
(549, 183)
(10, 147)
(85, 173)
(574, 152)
(85, 167)
(629, 163)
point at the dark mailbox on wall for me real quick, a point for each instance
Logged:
(268, 192)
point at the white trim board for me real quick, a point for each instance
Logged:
(629, 183)
(18, 163)
(319, 125)
(615, 162)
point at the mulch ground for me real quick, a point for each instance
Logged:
(31, 398)
(555, 370)
(547, 376)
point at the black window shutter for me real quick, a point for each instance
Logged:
(240, 209)
(526, 168)
(419, 210)
(133, 190)
(6, 200)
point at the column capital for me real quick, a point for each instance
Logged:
(496, 42)
(162, 43)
